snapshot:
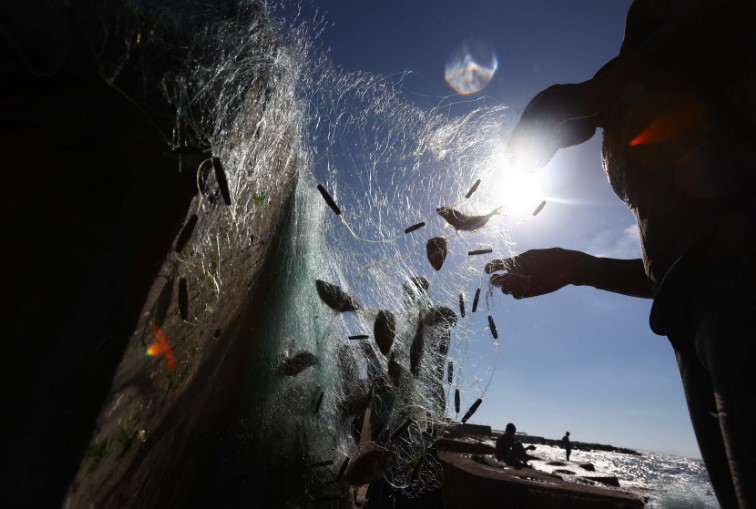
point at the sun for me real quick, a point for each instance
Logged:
(518, 192)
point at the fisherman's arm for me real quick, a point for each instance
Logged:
(552, 118)
(541, 271)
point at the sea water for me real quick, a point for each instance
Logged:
(664, 480)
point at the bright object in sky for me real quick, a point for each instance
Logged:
(471, 67)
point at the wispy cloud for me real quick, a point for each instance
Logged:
(617, 243)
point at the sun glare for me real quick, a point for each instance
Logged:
(517, 191)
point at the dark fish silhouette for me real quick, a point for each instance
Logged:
(183, 299)
(479, 251)
(416, 349)
(440, 315)
(473, 189)
(369, 466)
(384, 330)
(539, 208)
(220, 177)
(456, 401)
(186, 233)
(335, 298)
(462, 304)
(417, 286)
(329, 200)
(472, 410)
(436, 251)
(450, 373)
(359, 336)
(357, 401)
(414, 227)
(475, 300)
(492, 325)
(342, 469)
(292, 366)
(462, 221)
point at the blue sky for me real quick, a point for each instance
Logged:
(578, 360)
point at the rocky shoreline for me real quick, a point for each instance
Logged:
(474, 478)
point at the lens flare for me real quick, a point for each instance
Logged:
(471, 67)
(161, 348)
(672, 125)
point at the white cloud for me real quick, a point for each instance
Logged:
(616, 243)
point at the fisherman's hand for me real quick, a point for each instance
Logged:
(537, 272)
(552, 120)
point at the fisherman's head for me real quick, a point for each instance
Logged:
(510, 428)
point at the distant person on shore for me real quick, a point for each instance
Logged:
(678, 111)
(510, 450)
(567, 445)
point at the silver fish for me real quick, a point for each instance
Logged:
(462, 221)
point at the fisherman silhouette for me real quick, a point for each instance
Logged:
(509, 449)
(567, 445)
(678, 111)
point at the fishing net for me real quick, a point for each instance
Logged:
(397, 209)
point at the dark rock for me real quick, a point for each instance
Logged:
(608, 480)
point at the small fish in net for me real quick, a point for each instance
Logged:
(440, 315)
(384, 330)
(335, 298)
(292, 366)
(462, 221)
(436, 251)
